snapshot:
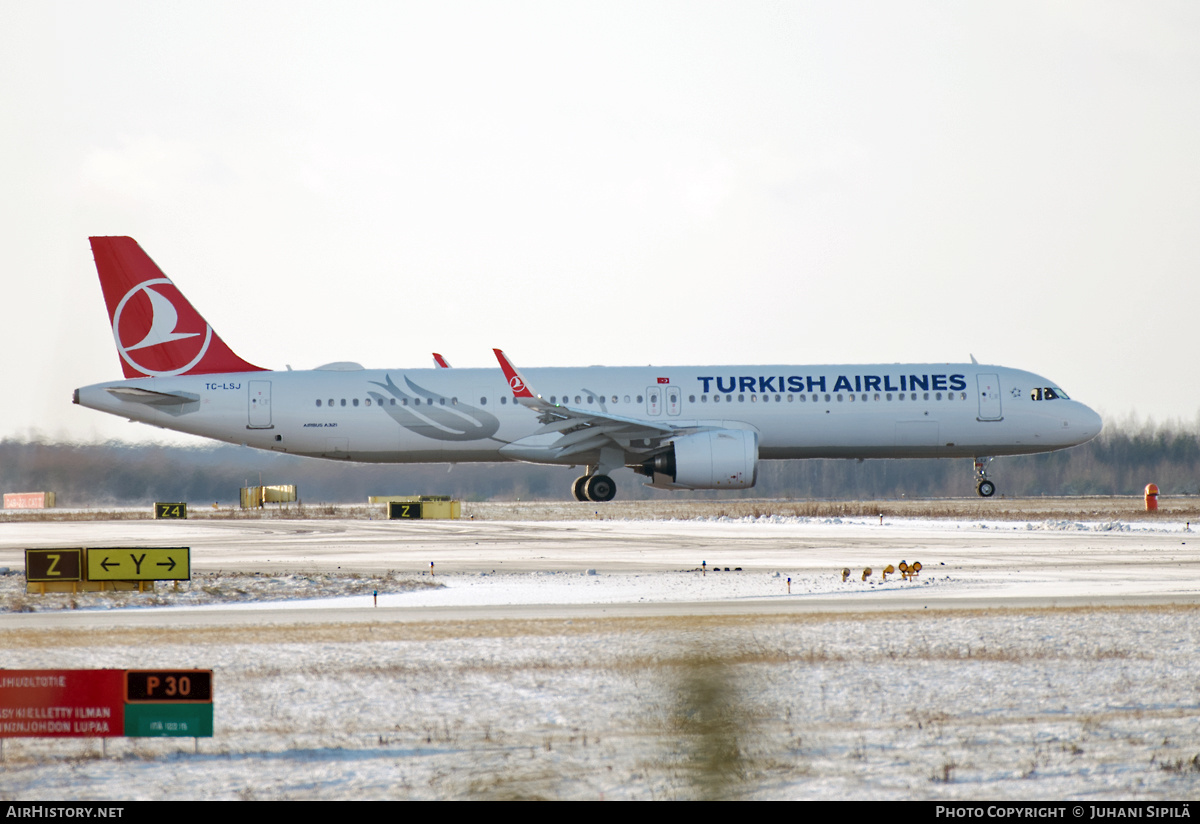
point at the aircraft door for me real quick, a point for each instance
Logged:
(989, 397)
(654, 400)
(259, 405)
(674, 396)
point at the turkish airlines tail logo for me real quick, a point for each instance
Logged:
(164, 321)
(157, 331)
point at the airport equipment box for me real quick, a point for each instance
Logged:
(255, 496)
(28, 500)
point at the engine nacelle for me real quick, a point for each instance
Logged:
(716, 459)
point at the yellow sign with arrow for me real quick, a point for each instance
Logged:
(139, 564)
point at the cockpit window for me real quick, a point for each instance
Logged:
(1047, 393)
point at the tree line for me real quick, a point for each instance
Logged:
(1121, 461)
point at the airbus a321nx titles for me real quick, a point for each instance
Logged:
(683, 427)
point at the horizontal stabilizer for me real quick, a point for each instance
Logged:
(136, 395)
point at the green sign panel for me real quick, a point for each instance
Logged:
(167, 720)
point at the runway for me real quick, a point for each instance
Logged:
(558, 659)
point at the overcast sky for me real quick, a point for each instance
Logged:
(610, 183)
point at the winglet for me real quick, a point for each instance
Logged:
(520, 389)
(440, 362)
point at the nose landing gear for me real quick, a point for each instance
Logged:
(983, 486)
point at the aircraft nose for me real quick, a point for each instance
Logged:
(1086, 424)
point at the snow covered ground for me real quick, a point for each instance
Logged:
(1049, 660)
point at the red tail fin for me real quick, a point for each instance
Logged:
(157, 331)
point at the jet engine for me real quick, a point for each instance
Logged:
(715, 459)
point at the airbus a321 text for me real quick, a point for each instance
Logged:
(683, 427)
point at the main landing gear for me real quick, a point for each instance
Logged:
(983, 486)
(598, 488)
(596, 485)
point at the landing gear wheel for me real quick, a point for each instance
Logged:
(983, 486)
(577, 488)
(600, 488)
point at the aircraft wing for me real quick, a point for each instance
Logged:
(567, 430)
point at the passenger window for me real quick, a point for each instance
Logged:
(483, 401)
(343, 401)
(368, 401)
(355, 401)
(318, 401)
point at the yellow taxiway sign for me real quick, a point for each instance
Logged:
(139, 564)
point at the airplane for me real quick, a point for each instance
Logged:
(682, 427)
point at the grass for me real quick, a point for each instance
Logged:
(216, 588)
(683, 707)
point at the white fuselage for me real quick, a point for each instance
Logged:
(464, 415)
